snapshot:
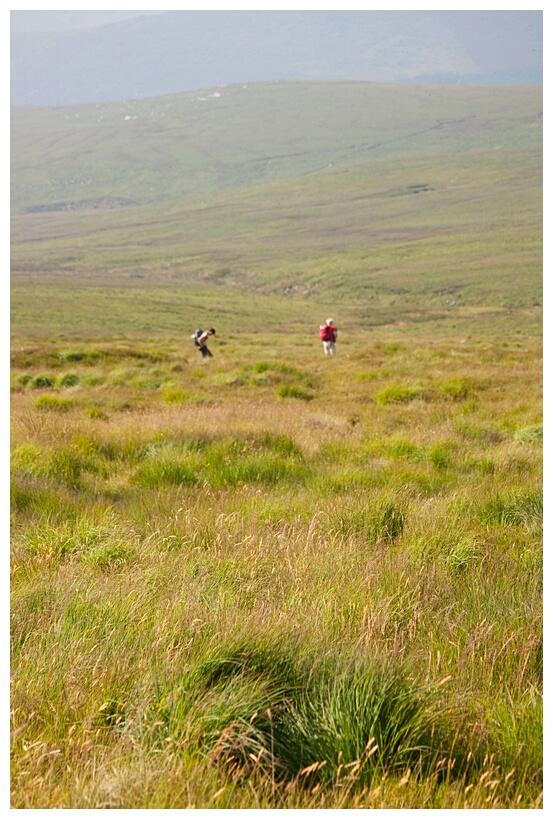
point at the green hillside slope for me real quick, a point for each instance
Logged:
(411, 202)
(101, 156)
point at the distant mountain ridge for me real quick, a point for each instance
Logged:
(148, 55)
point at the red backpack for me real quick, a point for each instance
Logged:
(326, 333)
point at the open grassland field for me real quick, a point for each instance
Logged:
(226, 574)
(272, 579)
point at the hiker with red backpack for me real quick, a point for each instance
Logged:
(328, 335)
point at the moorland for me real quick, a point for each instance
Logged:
(272, 579)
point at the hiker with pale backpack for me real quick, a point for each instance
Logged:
(200, 340)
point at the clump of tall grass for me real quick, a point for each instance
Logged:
(26, 457)
(372, 376)
(220, 462)
(68, 466)
(177, 395)
(290, 716)
(511, 509)
(54, 403)
(220, 469)
(287, 391)
(402, 448)
(65, 463)
(101, 541)
(67, 380)
(96, 412)
(265, 372)
(114, 553)
(463, 554)
(439, 454)
(42, 381)
(92, 380)
(516, 731)
(20, 380)
(530, 434)
(162, 470)
(380, 520)
(70, 355)
(457, 389)
(121, 376)
(397, 395)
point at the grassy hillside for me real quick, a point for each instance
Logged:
(388, 199)
(386, 243)
(271, 579)
(105, 156)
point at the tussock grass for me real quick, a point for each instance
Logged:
(396, 395)
(294, 392)
(42, 380)
(53, 403)
(249, 602)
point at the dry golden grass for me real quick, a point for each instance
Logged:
(147, 535)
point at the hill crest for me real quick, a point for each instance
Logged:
(177, 51)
